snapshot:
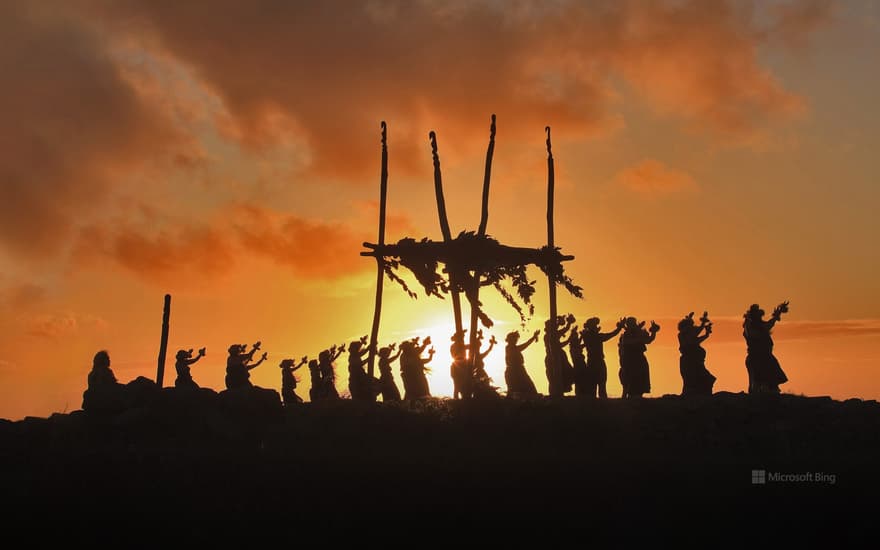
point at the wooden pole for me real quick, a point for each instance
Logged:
(444, 224)
(380, 264)
(490, 151)
(163, 344)
(555, 365)
(474, 295)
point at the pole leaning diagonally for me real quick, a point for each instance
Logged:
(444, 224)
(474, 295)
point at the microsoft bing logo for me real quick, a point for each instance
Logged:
(763, 477)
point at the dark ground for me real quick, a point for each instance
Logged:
(543, 468)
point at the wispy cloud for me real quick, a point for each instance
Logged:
(100, 99)
(21, 295)
(193, 253)
(651, 178)
(729, 329)
(59, 325)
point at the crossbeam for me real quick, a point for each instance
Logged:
(468, 254)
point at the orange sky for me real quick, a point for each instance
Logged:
(709, 154)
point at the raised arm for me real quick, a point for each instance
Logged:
(425, 343)
(605, 336)
(491, 345)
(777, 314)
(197, 357)
(529, 342)
(393, 358)
(563, 332)
(427, 360)
(257, 364)
(302, 362)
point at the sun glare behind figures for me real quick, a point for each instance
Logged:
(441, 331)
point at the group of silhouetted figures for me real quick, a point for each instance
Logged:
(582, 368)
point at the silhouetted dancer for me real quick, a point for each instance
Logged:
(184, 360)
(483, 387)
(460, 370)
(579, 363)
(103, 393)
(328, 371)
(413, 370)
(563, 366)
(316, 392)
(361, 385)
(289, 381)
(386, 377)
(594, 340)
(695, 378)
(101, 376)
(765, 374)
(238, 365)
(519, 384)
(634, 372)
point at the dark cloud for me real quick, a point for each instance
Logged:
(96, 93)
(191, 254)
(186, 255)
(71, 125)
(794, 22)
(330, 70)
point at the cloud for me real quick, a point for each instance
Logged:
(396, 223)
(797, 330)
(322, 76)
(793, 23)
(54, 326)
(21, 295)
(192, 253)
(698, 62)
(652, 177)
(72, 125)
(184, 255)
(102, 100)
(308, 248)
(729, 329)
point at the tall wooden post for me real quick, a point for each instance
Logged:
(380, 263)
(556, 384)
(474, 295)
(163, 344)
(444, 224)
(490, 151)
